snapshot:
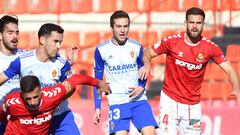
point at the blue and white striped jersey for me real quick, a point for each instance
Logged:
(49, 73)
(120, 66)
(13, 83)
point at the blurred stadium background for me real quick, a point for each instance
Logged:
(86, 23)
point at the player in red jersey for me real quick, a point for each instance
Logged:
(31, 110)
(187, 56)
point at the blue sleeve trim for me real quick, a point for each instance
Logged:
(104, 43)
(99, 64)
(140, 64)
(99, 68)
(65, 71)
(134, 42)
(13, 69)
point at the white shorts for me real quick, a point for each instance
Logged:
(179, 118)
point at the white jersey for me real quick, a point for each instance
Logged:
(120, 65)
(49, 73)
(13, 83)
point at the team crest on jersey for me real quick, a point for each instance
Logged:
(200, 57)
(132, 54)
(54, 73)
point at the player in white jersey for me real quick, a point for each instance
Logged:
(119, 59)
(50, 68)
(8, 52)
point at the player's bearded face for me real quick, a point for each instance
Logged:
(194, 26)
(32, 99)
(120, 30)
(9, 36)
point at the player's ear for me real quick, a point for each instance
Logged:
(185, 23)
(1, 36)
(42, 40)
(111, 28)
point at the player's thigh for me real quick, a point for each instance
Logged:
(64, 124)
(168, 117)
(148, 130)
(123, 132)
(191, 123)
(119, 118)
(142, 116)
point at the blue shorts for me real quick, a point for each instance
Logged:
(2, 128)
(139, 112)
(64, 124)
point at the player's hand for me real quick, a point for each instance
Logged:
(144, 72)
(136, 91)
(103, 87)
(72, 54)
(236, 93)
(97, 116)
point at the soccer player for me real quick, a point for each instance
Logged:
(31, 110)
(8, 52)
(120, 58)
(50, 68)
(187, 56)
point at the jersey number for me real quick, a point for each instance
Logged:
(115, 114)
(165, 119)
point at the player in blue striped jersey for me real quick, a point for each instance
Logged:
(8, 52)
(119, 59)
(50, 68)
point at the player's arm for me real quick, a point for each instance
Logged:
(137, 90)
(219, 58)
(98, 71)
(148, 54)
(234, 79)
(77, 79)
(3, 78)
(11, 71)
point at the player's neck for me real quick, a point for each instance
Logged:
(117, 43)
(6, 51)
(41, 55)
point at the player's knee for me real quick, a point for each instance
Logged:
(148, 130)
(122, 132)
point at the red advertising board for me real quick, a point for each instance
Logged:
(219, 117)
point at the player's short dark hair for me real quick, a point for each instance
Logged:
(29, 83)
(118, 14)
(47, 28)
(6, 19)
(195, 11)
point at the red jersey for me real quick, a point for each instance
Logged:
(185, 66)
(26, 122)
